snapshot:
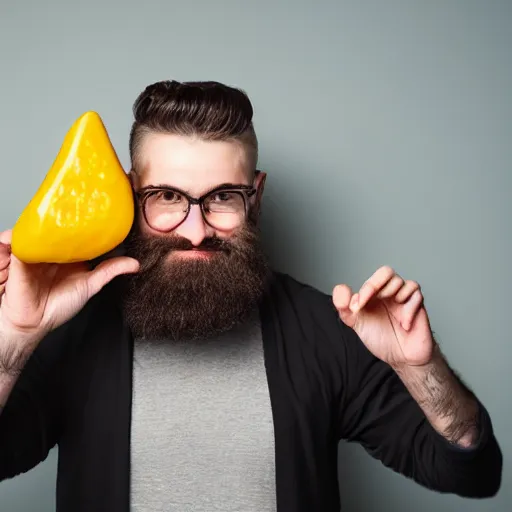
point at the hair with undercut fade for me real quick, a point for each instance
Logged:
(208, 110)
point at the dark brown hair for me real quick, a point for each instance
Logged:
(209, 110)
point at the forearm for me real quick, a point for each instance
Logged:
(6, 384)
(447, 404)
(13, 356)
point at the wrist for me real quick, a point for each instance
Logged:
(416, 370)
(16, 347)
(21, 335)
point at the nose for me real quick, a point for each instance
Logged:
(194, 227)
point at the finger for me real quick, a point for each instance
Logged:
(5, 249)
(342, 296)
(5, 237)
(406, 291)
(374, 285)
(390, 289)
(5, 258)
(4, 274)
(107, 270)
(410, 309)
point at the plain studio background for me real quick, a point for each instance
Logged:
(386, 130)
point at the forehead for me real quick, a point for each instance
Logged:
(191, 164)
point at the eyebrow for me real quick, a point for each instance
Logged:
(208, 191)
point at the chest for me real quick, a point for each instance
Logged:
(202, 426)
(202, 394)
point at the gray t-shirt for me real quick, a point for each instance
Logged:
(202, 432)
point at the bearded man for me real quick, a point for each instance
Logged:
(184, 374)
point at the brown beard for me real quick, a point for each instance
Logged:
(173, 298)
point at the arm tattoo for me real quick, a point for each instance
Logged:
(449, 399)
(448, 404)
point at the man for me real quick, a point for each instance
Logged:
(185, 375)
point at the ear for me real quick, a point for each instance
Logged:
(259, 185)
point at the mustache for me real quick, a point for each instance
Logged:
(184, 244)
(150, 251)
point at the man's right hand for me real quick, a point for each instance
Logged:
(37, 298)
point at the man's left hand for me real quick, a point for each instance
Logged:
(389, 316)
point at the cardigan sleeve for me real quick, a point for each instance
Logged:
(31, 419)
(376, 410)
(371, 406)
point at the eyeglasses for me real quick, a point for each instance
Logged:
(225, 208)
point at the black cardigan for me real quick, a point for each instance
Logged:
(324, 385)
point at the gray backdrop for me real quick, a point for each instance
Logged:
(386, 130)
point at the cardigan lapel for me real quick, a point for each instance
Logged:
(94, 451)
(276, 319)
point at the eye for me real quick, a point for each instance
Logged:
(222, 197)
(168, 197)
(225, 201)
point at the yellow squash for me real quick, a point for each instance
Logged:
(84, 207)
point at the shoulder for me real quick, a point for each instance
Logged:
(311, 330)
(306, 300)
(303, 332)
(305, 309)
(283, 286)
(300, 306)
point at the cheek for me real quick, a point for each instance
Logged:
(143, 228)
(225, 235)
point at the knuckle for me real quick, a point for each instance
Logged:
(5, 252)
(387, 270)
(5, 262)
(369, 285)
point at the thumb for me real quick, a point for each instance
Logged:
(6, 236)
(107, 270)
(342, 298)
